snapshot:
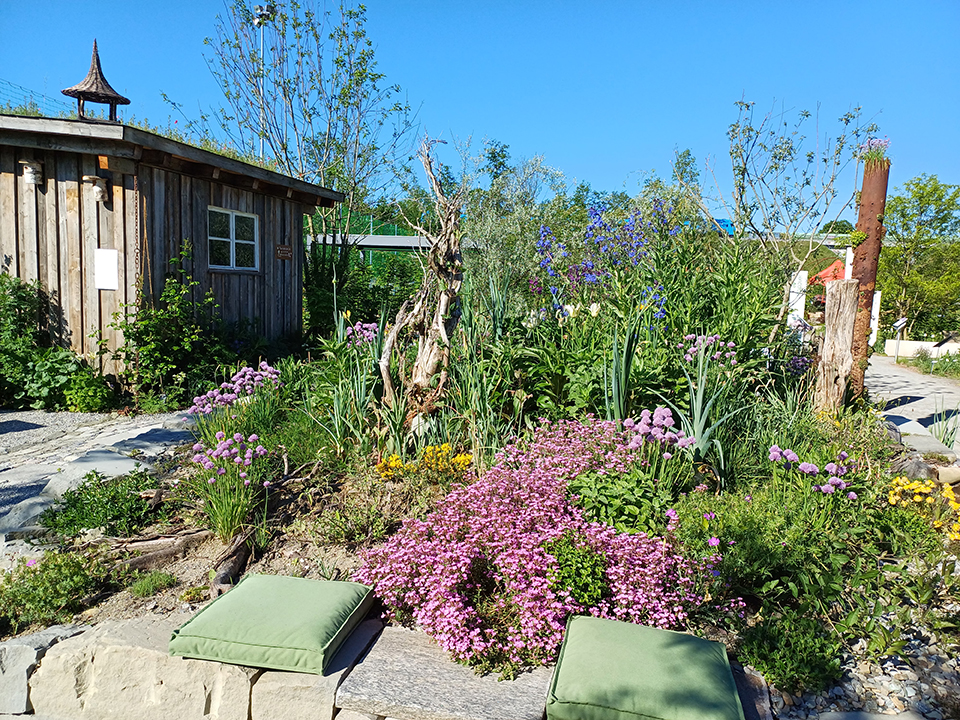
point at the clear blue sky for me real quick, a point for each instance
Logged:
(604, 90)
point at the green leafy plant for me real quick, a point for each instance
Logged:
(88, 392)
(581, 570)
(50, 590)
(151, 583)
(48, 378)
(792, 651)
(113, 504)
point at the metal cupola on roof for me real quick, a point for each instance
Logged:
(95, 88)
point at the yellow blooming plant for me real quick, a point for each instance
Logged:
(923, 496)
(437, 464)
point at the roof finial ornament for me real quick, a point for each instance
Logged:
(95, 88)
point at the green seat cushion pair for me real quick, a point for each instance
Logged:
(610, 670)
(275, 622)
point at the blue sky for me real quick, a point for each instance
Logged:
(605, 91)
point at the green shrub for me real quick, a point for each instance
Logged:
(581, 570)
(113, 504)
(908, 532)
(174, 345)
(152, 583)
(50, 590)
(19, 334)
(49, 375)
(88, 392)
(792, 652)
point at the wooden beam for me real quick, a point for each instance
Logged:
(81, 145)
(124, 166)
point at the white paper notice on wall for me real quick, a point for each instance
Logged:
(106, 264)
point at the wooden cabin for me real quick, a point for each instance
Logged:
(95, 211)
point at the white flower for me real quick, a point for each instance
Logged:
(594, 309)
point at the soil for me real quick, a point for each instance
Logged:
(290, 554)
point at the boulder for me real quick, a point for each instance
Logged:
(299, 696)
(122, 670)
(406, 675)
(19, 658)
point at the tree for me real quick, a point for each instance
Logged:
(784, 183)
(920, 268)
(320, 105)
(837, 227)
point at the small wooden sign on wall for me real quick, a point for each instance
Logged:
(284, 252)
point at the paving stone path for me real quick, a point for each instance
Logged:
(912, 399)
(44, 454)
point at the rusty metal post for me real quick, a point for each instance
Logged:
(866, 258)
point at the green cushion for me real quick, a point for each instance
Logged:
(276, 622)
(610, 670)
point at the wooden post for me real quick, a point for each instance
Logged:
(836, 356)
(866, 258)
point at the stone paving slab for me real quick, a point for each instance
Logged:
(406, 676)
(858, 715)
(912, 398)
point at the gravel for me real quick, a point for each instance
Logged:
(22, 428)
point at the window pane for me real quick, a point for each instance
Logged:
(219, 225)
(245, 228)
(220, 253)
(245, 255)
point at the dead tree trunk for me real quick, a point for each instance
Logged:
(836, 357)
(433, 312)
(866, 258)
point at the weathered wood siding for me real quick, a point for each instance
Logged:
(48, 233)
(175, 208)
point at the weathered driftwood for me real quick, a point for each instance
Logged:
(836, 357)
(163, 550)
(433, 312)
(229, 566)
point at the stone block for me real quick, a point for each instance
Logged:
(19, 658)
(299, 696)
(352, 715)
(406, 676)
(753, 692)
(949, 475)
(122, 670)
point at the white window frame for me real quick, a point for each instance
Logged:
(233, 240)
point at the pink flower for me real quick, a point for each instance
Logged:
(713, 542)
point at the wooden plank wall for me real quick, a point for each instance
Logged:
(176, 210)
(49, 232)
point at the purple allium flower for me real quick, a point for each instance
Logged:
(809, 468)
(827, 489)
(776, 454)
(830, 468)
(851, 496)
(790, 456)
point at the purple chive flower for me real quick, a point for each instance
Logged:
(827, 489)
(809, 468)
(851, 496)
(791, 456)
